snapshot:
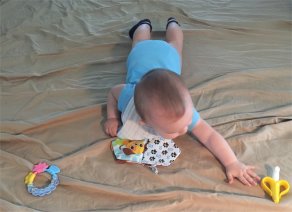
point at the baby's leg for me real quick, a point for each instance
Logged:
(174, 35)
(140, 31)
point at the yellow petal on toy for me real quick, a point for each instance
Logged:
(29, 178)
(286, 187)
(266, 184)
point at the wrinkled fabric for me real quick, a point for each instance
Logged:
(59, 58)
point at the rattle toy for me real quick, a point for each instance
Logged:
(38, 169)
(152, 152)
(274, 187)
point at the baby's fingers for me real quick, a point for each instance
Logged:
(244, 180)
(253, 175)
(250, 180)
(113, 130)
(230, 178)
(106, 129)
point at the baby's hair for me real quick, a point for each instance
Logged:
(164, 88)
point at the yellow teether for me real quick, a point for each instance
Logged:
(29, 178)
(273, 186)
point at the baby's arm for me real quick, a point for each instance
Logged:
(113, 116)
(220, 148)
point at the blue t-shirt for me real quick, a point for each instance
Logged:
(151, 54)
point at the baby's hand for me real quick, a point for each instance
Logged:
(242, 172)
(111, 126)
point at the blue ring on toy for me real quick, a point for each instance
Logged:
(39, 192)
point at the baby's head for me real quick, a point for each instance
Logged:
(163, 102)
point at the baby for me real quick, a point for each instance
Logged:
(155, 100)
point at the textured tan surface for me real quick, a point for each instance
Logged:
(58, 61)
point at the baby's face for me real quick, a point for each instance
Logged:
(171, 129)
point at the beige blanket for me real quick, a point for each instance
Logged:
(59, 58)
